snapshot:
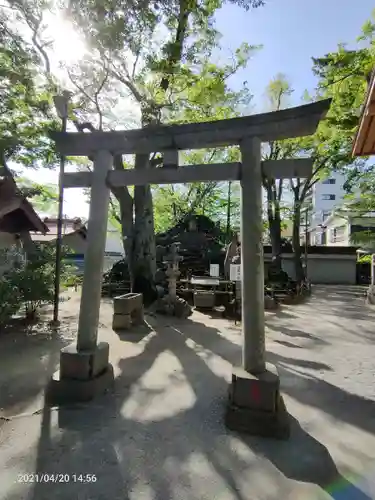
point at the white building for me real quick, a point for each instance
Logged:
(326, 195)
(323, 198)
(338, 229)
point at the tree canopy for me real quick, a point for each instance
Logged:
(25, 116)
(154, 62)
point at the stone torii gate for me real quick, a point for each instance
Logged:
(255, 404)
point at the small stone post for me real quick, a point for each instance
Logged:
(172, 272)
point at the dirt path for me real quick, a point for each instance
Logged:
(160, 436)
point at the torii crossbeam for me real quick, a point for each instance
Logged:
(244, 411)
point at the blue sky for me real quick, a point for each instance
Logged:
(291, 32)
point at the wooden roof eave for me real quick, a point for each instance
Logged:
(364, 142)
(34, 217)
(14, 201)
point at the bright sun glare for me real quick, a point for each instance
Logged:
(68, 46)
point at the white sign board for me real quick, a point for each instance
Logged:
(214, 270)
(235, 272)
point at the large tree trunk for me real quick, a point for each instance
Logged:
(143, 251)
(274, 222)
(298, 268)
(126, 215)
(275, 236)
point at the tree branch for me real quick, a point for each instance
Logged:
(114, 210)
(175, 49)
(135, 64)
(309, 183)
(129, 84)
(34, 22)
(93, 99)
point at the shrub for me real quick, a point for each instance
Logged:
(365, 259)
(34, 282)
(10, 300)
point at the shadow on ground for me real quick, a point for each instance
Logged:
(341, 301)
(27, 352)
(142, 444)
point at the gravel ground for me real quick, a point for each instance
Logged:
(160, 435)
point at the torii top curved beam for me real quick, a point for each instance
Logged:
(277, 125)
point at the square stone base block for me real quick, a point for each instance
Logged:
(121, 321)
(62, 391)
(83, 365)
(256, 406)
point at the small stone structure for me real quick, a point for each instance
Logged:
(127, 310)
(171, 304)
(204, 299)
(171, 260)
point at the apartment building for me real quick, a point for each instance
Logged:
(324, 197)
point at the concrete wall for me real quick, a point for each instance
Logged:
(334, 271)
(324, 269)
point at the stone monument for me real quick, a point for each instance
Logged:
(171, 304)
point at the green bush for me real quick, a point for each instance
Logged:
(10, 300)
(365, 259)
(33, 283)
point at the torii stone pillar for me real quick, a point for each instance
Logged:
(255, 404)
(252, 262)
(84, 367)
(94, 256)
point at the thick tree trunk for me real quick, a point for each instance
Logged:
(274, 222)
(296, 241)
(143, 251)
(126, 215)
(275, 236)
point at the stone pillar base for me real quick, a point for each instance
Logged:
(82, 375)
(256, 406)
